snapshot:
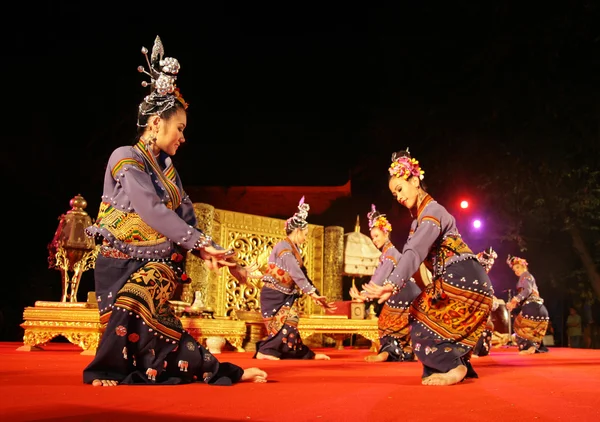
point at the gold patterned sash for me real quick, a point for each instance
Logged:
(127, 227)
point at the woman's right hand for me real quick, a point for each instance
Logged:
(355, 294)
(214, 258)
(374, 291)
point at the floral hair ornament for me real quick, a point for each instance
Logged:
(487, 258)
(179, 98)
(162, 72)
(404, 166)
(376, 219)
(514, 260)
(298, 220)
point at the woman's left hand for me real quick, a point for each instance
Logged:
(253, 271)
(374, 291)
(322, 301)
(243, 273)
(215, 259)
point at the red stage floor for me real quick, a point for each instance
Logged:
(563, 385)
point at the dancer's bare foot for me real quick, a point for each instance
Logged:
(529, 351)
(254, 375)
(453, 376)
(381, 357)
(266, 357)
(321, 356)
(105, 383)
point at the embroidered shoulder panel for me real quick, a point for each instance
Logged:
(126, 162)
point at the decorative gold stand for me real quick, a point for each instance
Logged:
(341, 327)
(201, 328)
(71, 249)
(357, 310)
(78, 322)
(255, 328)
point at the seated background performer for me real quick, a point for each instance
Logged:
(393, 324)
(285, 281)
(484, 344)
(147, 224)
(532, 322)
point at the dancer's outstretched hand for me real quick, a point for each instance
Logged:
(512, 304)
(243, 273)
(374, 291)
(253, 271)
(322, 302)
(329, 306)
(355, 294)
(214, 258)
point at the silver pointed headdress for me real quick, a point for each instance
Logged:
(162, 72)
(487, 258)
(298, 220)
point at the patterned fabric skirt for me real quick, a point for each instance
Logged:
(144, 342)
(394, 325)
(449, 317)
(280, 315)
(530, 326)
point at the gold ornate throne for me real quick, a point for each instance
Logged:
(253, 237)
(234, 308)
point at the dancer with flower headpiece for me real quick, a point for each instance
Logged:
(393, 321)
(449, 316)
(147, 225)
(285, 280)
(532, 322)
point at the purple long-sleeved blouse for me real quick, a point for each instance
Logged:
(433, 239)
(527, 288)
(284, 269)
(387, 262)
(145, 211)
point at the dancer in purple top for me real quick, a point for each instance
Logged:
(532, 322)
(449, 316)
(393, 321)
(285, 281)
(146, 225)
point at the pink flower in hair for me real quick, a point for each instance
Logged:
(405, 167)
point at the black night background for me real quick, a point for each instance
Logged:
(498, 101)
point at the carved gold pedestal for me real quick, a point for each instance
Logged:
(340, 327)
(202, 328)
(357, 310)
(78, 322)
(255, 328)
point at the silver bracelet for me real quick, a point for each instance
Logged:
(203, 241)
(395, 287)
